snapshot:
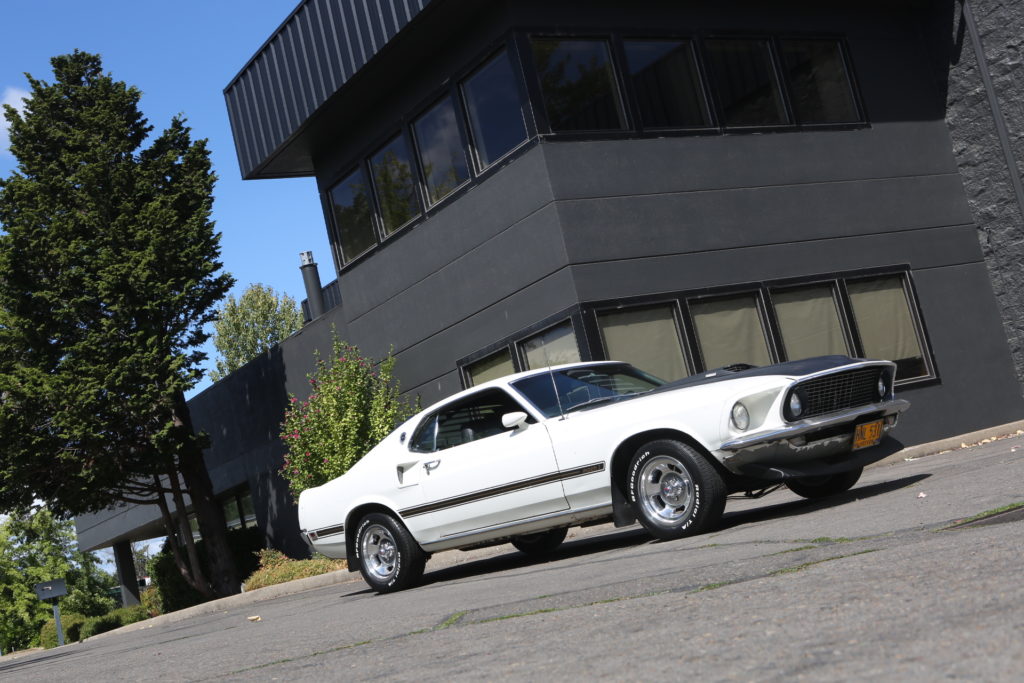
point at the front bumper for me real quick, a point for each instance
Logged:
(806, 441)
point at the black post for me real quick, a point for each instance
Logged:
(311, 279)
(124, 559)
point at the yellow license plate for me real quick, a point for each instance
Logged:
(867, 434)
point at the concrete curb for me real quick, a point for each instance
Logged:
(459, 557)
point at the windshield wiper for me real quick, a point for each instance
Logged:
(602, 399)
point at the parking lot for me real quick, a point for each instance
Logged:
(871, 583)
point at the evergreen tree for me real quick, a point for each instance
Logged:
(109, 269)
(250, 325)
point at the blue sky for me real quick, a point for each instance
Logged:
(181, 55)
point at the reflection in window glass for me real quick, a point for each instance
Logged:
(666, 83)
(551, 347)
(353, 218)
(231, 515)
(745, 81)
(644, 337)
(819, 86)
(809, 321)
(442, 152)
(395, 185)
(730, 331)
(577, 84)
(886, 327)
(471, 419)
(248, 511)
(495, 110)
(492, 367)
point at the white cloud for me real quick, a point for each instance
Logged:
(16, 98)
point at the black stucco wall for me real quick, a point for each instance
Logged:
(971, 117)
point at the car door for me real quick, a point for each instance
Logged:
(479, 474)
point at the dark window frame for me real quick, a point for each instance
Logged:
(773, 64)
(851, 77)
(591, 342)
(404, 132)
(478, 167)
(692, 41)
(361, 167)
(451, 93)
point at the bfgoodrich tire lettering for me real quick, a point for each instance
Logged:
(389, 557)
(674, 490)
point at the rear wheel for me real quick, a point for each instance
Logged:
(541, 543)
(827, 485)
(389, 557)
(674, 490)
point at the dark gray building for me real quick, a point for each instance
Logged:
(514, 183)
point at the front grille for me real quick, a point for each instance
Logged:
(839, 391)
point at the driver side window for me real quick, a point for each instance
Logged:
(473, 418)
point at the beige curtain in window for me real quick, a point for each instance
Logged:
(492, 367)
(730, 331)
(883, 318)
(809, 321)
(553, 346)
(646, 337)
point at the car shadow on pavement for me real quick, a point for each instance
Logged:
(803, 506)
(513, 559)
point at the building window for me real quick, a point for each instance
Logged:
(730, 330)
(666, 84)
(809, 322)
(647, 338)
(353, 216)
(819, 86)
(885, 324)
(745, 82)
(231, 514)
(492, 367)
(441, 150)
(395, 184)
(248, 511)
(553, 346)
(495, 110)
(577, 83)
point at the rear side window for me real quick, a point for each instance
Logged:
(471, 419)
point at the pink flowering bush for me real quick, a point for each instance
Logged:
(352, 405)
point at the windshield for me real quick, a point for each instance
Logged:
(580, 387)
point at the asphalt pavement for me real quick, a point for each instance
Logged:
(879, 582)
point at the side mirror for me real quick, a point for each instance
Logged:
(516, 420)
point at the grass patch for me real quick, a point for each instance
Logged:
(713, 586)
(275, 567)
(830, 539)
(805, 565)
(988, 513)
(794, 550)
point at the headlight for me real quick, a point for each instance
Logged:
(883, 387)
(796, 406)
(740, 417)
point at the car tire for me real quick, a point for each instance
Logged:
(389, 557)
(674, 490)
(828, 485)
(541, 543)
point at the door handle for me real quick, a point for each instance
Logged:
(431, 466)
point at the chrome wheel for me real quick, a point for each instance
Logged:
(666, 490)
(379, 552)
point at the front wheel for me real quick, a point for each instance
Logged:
(541, 543)
(389, 557)
(674, 490)
(828, 485)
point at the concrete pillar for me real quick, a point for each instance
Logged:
(125, 561)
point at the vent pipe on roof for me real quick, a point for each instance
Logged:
(311, 279)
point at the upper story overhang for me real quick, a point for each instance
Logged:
(295, 78)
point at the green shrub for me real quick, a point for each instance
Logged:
(353, 404)
(111, 620)
(151, 601)
(72, 624)
(174, 593)
(276, 567)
